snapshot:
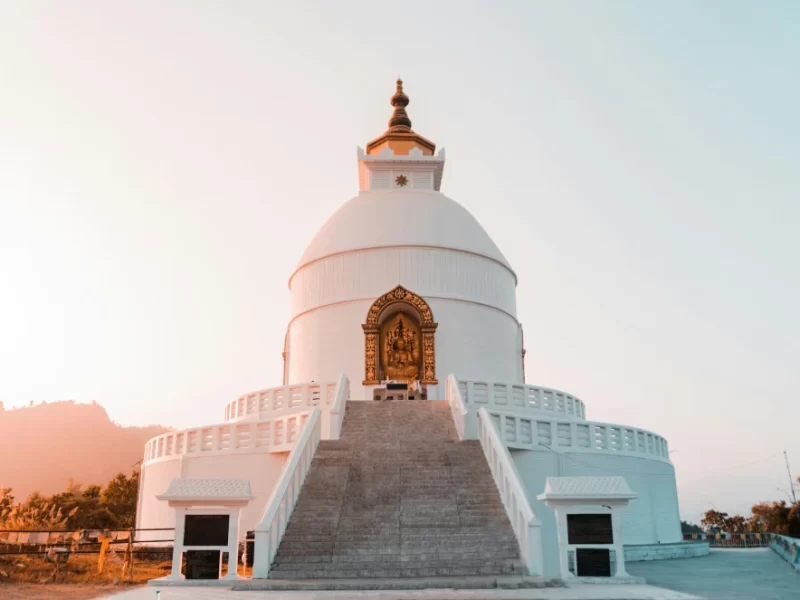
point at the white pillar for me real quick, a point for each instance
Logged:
(619, 548)
(177, 552)
(233, 544)
(563, 541)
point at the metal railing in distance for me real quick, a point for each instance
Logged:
(526, 525)
(269, 532)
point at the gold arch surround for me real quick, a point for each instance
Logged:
(427, 326)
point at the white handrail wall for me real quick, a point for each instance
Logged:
(533, 432)
(273, 435)
(526, 526)
(264, 404)
(465, 420)
(269, 532)
(336, 415)
(521, 397)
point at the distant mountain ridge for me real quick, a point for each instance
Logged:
(42, 446)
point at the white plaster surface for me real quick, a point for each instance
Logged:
(650, 519)
(261, 469)
(401, 218)
(473, 342)
(578, 592)
(725, 574)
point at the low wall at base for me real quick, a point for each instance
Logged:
(642, 552)
(788, 549)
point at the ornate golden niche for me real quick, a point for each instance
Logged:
(418, 318)
(400, 340)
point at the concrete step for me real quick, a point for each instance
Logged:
(390, 554)
(365, 570)
(421, 583)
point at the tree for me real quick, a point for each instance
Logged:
(6, 503)
(120, 496)
(777, 517)
(713, 520)
(35, 516)
(687, 527)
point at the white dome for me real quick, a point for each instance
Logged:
(399, 218)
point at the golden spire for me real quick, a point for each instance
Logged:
(399, 136)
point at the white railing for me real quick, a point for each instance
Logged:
(263, 404)
(527, 527)
(275, 435)
(518, 396)
(269, 532)
(336, 415)
(533, 433)
(463, 419)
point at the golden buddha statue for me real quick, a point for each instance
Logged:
(400, 353)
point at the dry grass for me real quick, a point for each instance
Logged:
(30, 577)
(80, 568)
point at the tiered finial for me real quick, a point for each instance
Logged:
(399, 120)
(399, 137)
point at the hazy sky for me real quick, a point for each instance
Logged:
(164, 164)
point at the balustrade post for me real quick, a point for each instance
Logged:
(261, 554)
(533, 551)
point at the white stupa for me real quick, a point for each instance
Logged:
(403, 295)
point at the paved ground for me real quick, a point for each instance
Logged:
(53, 591)
(584, 592)
(757, 574)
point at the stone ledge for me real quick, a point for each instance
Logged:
(644, 552)
(421, 583)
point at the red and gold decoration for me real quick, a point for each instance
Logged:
(404, 344)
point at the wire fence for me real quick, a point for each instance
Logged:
(86, 541)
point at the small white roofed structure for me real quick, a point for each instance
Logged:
(588, 513)
(219, 499)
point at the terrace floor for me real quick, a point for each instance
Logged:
(734, 574)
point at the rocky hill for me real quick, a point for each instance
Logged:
(42, 446)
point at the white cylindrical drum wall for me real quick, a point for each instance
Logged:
(472, 341)
(432, 247)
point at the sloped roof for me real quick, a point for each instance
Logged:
(587, 487)
(207, 489)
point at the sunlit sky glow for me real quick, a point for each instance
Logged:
(164, 164)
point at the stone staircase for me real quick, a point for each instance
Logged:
(398, 497)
